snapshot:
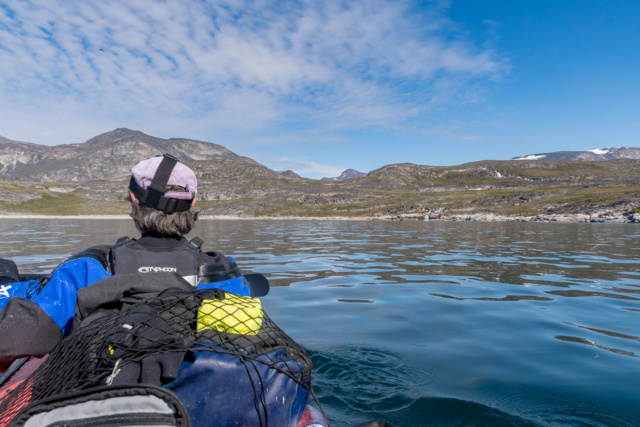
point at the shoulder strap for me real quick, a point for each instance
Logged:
(197, 242)
(122, 240)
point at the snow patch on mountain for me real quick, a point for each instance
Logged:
(599, 154)
(531, 157)
(347, 174)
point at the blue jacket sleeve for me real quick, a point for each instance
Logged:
(34, 320)
(58, 297)
(19, 289)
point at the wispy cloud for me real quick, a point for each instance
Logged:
(310, 169)
(228, 67)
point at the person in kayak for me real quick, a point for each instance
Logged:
(162, 192)
(130, 318)
(36, 314)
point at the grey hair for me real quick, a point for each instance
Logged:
(150, 220)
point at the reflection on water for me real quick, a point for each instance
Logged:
(588, 342)
(356, 383)
(431, 323)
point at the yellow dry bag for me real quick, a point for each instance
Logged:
(234, 314)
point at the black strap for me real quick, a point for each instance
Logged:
(158, 185)
(197, 242)
(122, 240)
(170, 205)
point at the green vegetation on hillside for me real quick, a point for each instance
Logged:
(232, 187)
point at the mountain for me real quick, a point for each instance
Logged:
(107, 156)
(347, 174)
(91, 178)
(597, 155)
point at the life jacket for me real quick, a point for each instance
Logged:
(129, 256)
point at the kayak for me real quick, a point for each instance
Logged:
(185, 356)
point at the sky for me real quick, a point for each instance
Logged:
(318, 87)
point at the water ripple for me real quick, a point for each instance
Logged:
(575, 408)
(608, 333)
(575, 293)
(581, 340)
(431, 323)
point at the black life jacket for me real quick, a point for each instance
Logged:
(128, 256)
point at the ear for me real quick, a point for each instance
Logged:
(193, 203)
(133, 198)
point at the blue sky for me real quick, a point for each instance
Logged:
(321, 86)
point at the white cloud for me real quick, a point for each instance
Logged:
(244, 67)
(309, 169)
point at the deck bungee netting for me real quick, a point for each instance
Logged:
(174, 339)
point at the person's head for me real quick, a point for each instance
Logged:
(163, 192)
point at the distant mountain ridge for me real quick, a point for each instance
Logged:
(596, 155)
(107, 156)
(91, 178)
(347, 174)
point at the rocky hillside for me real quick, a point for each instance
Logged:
(91, 178)
(106, 157)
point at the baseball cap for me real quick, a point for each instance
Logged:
(150, 178)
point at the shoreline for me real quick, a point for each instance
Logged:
(617, 217)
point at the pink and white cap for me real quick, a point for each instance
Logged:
(181, 175)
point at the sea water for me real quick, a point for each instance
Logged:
(430, 323)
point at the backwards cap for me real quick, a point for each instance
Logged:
(149, 180)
